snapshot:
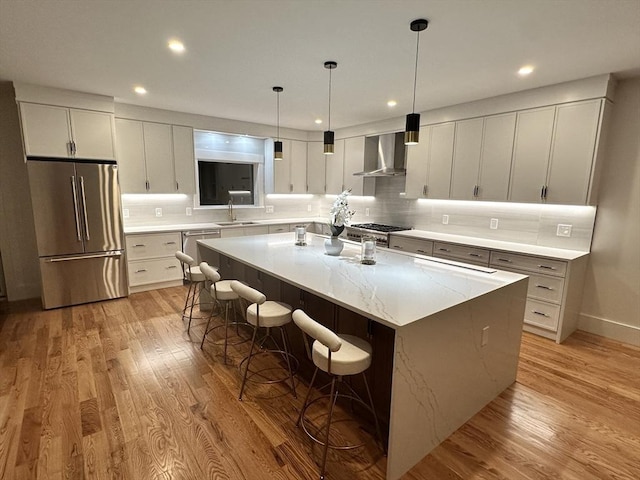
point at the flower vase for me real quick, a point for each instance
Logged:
(333, 246)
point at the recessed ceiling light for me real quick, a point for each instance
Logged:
(318, 121)
(176, 46)
(526, 70)
(392, 103)
(140, 90)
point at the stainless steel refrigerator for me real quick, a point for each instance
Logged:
(76, 209)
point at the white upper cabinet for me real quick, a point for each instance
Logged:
(353, 162)
(555, 153)
(158, 152)
(316, 168)
(61, 132)
(334, 165)
(290, 173)
(155, 157)
(184, 159)
(466, 159)
(531, 149)
(482, 158)
(573, 153)
(429, 163)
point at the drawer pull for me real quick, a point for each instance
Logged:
(139, 245)
(540, 313)
(398, 247)
(421, 251)
(171, 266)
(444, 249)
(546, 267)
(142, 270)
(505, 260)
(475, 255)
(544, 287)
(170, 243)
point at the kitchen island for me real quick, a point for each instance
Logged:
(456, 328)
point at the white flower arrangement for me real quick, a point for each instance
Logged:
(340, 215)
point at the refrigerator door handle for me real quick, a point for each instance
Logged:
(74, 193)
(84, 209)
(84, 257)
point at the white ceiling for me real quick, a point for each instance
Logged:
(237, 50)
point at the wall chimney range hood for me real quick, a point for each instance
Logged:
(384, 156)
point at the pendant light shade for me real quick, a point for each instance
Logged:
(412, 129)
(329, 134)
(277, 145)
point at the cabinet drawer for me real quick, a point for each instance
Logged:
(309, 227)
(461, 253)
(278, 228)
(545, 266)
(413, 245)
(543, 287)
(144, 272)
(152, 245)
(542, 314)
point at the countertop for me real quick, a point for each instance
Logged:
(183, 227)
(513, 247)
(397, 291)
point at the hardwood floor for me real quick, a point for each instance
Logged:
(119, 389)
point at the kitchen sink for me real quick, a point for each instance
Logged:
(235, 223)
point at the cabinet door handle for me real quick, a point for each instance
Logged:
(444, 249)
(170, 243)
(475, 255)
(545, 191)
(177, 186)
(398, 247)
(424, 190)
(505, 260)
(546, 267)
(139, 245)
(421, 251)
(540, 313)
(142, 270)
(475, 191)
(544, 287)
(171, 266)
(542, 192)
(146, 184)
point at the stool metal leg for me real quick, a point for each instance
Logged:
(246, 370)
(286, 356)
(226, 327)
(306, 398)
(206, 329)
(333, 397)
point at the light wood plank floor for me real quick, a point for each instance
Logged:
(119, 389)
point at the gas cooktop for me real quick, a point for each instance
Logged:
(378, 227)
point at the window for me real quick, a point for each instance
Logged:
(229, 167)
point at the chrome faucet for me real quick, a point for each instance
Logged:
(232, 217)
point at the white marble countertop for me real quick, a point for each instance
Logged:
(183, 227)
(513, 247)
(397, 291)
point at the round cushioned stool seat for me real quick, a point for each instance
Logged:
(272, 314)
(353, 357)
(195, 275)
(223, 290)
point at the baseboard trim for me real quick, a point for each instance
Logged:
(610, 329)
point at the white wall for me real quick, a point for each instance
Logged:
(611, 302)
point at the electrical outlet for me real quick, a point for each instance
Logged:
(158, 212)
(125, 212)
(308, 207)
(189, 212)
(494, 224)
(366, 212)
(445, 219)
(269, 209)
(564, 230)
(485, 336)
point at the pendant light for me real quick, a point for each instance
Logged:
(412, 130)
(277, 145)
(329, 135)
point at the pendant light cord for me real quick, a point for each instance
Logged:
(278, 115)
(329, 122)
(415, 77)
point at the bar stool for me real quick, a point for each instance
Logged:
(337, 355)
(221, 293)
(196, 281)
(263, 313)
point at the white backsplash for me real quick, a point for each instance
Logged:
(534, 224)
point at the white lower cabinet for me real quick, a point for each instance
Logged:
(151, 261)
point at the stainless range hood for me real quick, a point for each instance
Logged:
(384, 156)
